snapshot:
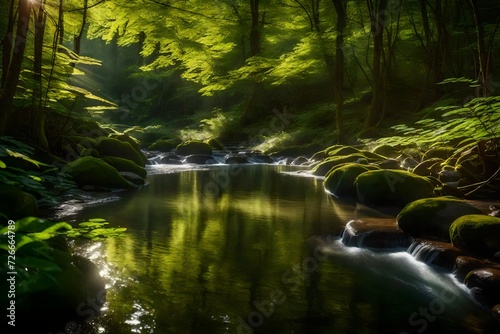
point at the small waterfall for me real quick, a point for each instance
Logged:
(441, 254)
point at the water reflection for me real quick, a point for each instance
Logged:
(196, 260)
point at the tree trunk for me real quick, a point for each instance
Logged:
(485, 73)
(37, 116)
(60, 22)
(255, 46)
(7, 44)
(338, 82)
(78, 38)
(12, 77)
(442, 50)
(377, 29)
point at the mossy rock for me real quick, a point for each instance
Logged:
(387, 151)
(476, 234)
(319, 156)
(126, 138)
(193, 147)
(323, 167)
(163, 145)
(111, 147)
(373, 156)
(338, 150)
(16, 203)
(428, 167)
(85, 152)
(298, 150)
(90, 171)
(438, 152)
(391, 187)
(215, 144)
(432, 217)
(125, 165)
(340, 180)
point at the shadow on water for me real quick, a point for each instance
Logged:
(226, 251)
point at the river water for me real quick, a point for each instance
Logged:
(255, 249)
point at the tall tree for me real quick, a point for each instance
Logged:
(255, 42)
(338, 82)
(37, 115)
(7, 43)
(377, 11)
(12, 78)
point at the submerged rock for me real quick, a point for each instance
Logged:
(374, 233)
(200, 159)
(236, 159)
(193, 147)
(441, 254)
(432, 217)
(90, 171)
(391, 187)
(484, 286)
(476, 234)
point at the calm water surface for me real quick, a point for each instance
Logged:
(229, 250)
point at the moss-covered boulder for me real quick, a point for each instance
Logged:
(391, 187)
(432, 217)
(124, 137)
(125, 165)
(337, 150)
(325, 166)
(111, 147)
(90, 171)
(387, 151)
(340, 180)
(86, 152)
(193, 147)
(163, 145)
(438, 152)
(215, 144)
(428, 167)
(236, 159)
(476, 234)
(318, 156)
(16, 203)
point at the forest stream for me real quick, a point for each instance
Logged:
(256, 249)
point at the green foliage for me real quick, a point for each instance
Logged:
(477, 119)
(45, 182)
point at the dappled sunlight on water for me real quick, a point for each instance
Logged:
(239, 258)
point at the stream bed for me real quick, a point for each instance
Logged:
(255, 249)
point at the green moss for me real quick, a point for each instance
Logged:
(337, 150)
(95, 172)
(432, 217)
(163, 145)
(322, 168)
(89, 152)
(387, 151)
(215, 144)
(115, 148)
(193, 147)
(340, 180)
(134, 142)
(125, 165)
(476, 234)
(391, 187)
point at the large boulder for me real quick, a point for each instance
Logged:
(125, 165)
(391, 187)
(323, 167)
(90, 171)
(163, 145)
(215, 144)
(236, 159)
(374, 233)
(432, 217)
(387, 151)
(16, 203)
(112, 147)
(476, 234)
(484, 285)
(193, 147)
(340, 180)
(338, 150)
